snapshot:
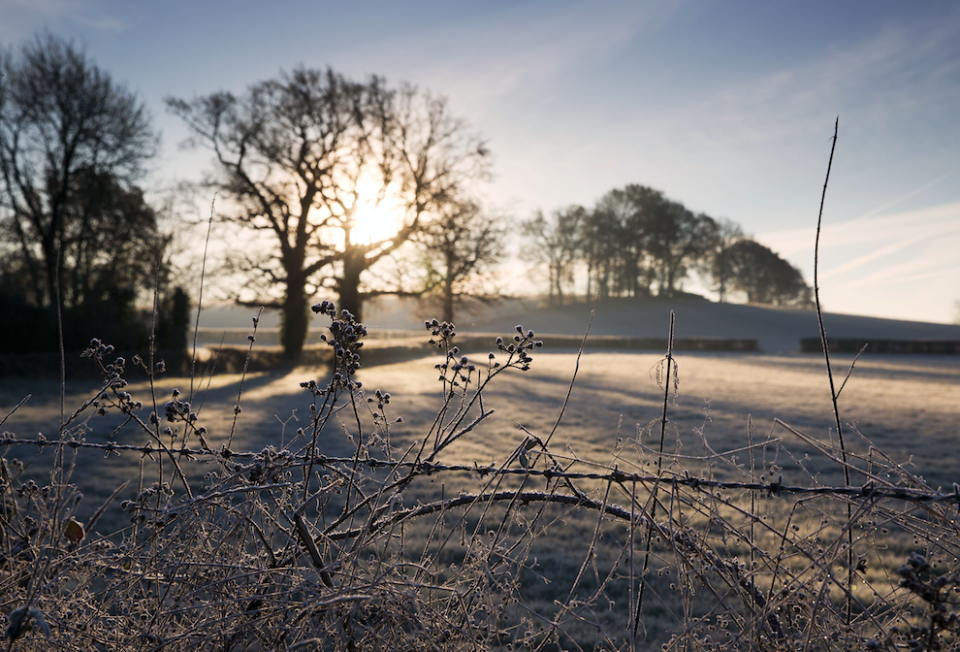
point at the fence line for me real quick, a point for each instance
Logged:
(869, 490)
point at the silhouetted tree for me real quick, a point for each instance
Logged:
(677, 240)
(173, 322)
(110, 248)
(621, 220)
(601, 244)
(302, 154)
(636, 238)
(719, 264)
(764, 276)
(460, 246)
(72, 143)
(73, 222)
(555, 243)
(110, 239)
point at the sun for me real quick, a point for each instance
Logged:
(375, 223)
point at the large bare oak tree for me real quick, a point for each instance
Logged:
(300, 155)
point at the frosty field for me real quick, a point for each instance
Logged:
(909, 407)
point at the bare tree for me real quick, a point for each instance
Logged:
(72, 143)
(555, 243)
(301, 155)
(460, 247)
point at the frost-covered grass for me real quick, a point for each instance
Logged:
(284, 550)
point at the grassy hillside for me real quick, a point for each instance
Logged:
(778, 330)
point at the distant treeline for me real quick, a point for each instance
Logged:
(80, 247)
(636, 242)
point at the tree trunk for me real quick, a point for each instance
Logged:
(294, 320)
(590, 275)
(448, 299)
(558, 285)
(50, 267)
(671, 280)
(348, 286)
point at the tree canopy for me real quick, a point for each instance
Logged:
(637, 242)
(73, 222)
(764, 276)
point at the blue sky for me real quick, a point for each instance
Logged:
(727, 107)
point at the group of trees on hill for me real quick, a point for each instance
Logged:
(636, 242)
(297, 160)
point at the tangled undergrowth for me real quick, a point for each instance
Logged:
(389, 548)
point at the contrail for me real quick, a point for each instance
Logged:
(912, 193)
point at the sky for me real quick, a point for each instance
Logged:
(727, 107)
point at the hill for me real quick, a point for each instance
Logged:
(778, 330)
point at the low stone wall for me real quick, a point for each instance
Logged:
(231, 357)
(46, 364)
(849, 345)
(744, 345)
(377, 352)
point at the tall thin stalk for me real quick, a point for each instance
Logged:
(826, 355)
(203, 272)
(653, 497)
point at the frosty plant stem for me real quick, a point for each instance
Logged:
(826, 355)
(816, 293)
(243, 375)
(653, 496)
(203, 272)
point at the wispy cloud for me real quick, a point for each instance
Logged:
(953, 272)
(20, 18)
(877, 254)
(893, 230)
(517, 54)
(777, 104)
(905, 263)
(913, 193)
